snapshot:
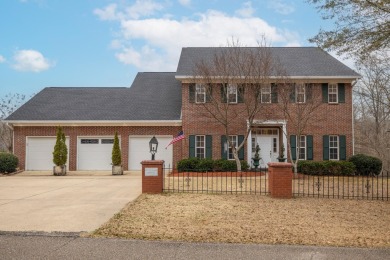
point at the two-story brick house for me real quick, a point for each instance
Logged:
(163, 104)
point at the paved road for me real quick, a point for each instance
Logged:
(22, 246)
(63, 203)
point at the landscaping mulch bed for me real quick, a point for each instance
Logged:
(252, 219)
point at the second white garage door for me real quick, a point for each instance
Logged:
(139, 151)
(94, 153)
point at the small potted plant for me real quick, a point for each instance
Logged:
(281, 155)
(60, 154)
(256, 158)
(116, 157)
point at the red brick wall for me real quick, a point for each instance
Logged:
(74, 131)
(328, 119)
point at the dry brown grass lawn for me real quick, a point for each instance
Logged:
(252, 219)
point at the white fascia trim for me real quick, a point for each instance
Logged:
(95, 123)
(274, 77)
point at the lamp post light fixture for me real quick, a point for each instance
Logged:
(153, 144)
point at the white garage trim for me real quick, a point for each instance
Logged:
(102, 153)
(140, 153)
(48, 164)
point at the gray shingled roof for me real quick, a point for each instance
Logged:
(152, 96)
(297, 61)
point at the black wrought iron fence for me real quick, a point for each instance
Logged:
(230, 182)
(374, 187)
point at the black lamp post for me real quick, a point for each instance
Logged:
(153, 144)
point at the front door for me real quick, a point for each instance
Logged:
(268, 141)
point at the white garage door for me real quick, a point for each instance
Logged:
(39, 153)
(139, 151)
(94, 153)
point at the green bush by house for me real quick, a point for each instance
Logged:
(326, 168)
(366, 165)
(203, 165)
(8, 162)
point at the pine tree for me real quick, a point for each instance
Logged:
(116, 152)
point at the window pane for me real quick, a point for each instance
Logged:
(332, 93)
(200, 93)
(233, 140)
(200, 146)
(232, 93)
(266, 94)
(333, 147)
(300, 91)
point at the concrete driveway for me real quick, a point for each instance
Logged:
(67, 203)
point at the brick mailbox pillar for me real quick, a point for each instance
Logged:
(152, 176)
(280, 180)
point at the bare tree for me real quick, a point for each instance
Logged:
(361, 26)
(372, 113)
(299, 103)
(238, 74)
(8, 104)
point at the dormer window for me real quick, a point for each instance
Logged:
(200, 96)
(232, 93)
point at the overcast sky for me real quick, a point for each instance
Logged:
(95, 43)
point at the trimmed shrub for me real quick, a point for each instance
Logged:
(116, 157)
(60, 154)
(8, 162)
(190, 164)
(203, 165)
(326, 168)
(366, 165)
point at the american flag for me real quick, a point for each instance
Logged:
(177, 138)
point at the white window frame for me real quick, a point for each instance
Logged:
(300, 89)
(200, 90)
(234, 140)
(337, 147)
(232, 89)
(335, 91)
(266, 93)
(304, 147)
(197, 137)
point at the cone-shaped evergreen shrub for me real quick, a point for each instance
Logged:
(60, 154)
(116, 152)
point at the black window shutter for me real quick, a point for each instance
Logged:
(240, 93)
(241, 152)
(309, 91)
(343, 147)
(309, 149)
(192, 93)
(223, 93)
(325, 150)
(192, 146)
(292, 93)
(274, 93)
(223, 146)
(324, 92)
(341, 90)
(209, 93)
(293, 146)
(209, 145)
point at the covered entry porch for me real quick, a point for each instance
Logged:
(271, 137)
